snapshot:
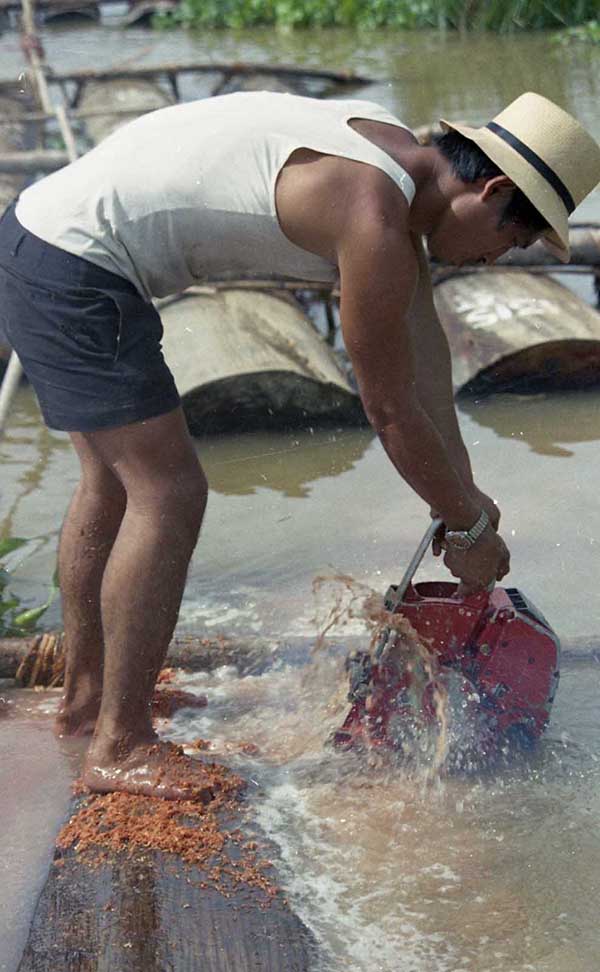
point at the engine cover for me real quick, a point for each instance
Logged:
(494, 648)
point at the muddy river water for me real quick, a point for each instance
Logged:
(471, 875)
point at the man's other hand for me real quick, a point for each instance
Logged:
(486, 562)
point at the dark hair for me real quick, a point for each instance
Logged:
(469, 163)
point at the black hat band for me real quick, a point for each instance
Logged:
(538, 164)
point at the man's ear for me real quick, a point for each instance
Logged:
(499, 183)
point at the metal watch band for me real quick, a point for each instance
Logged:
(469, 537)
(475, 532)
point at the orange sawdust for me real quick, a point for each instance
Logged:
(187, 830)
(199, 744)
(166, 701)
(248, 748)
(167, 675)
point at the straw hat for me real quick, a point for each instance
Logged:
(547, 154)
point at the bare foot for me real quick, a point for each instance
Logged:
(158, 769)
(77, 719)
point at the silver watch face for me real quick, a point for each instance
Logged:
(459, 539)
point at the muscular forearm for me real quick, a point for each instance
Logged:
(422, 458)
(433, 368)
(443, 416)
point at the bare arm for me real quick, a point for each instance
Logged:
(434, 380)
(433, 366)
(378, 273)
(354, 215)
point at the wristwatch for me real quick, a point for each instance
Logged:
(464, 539)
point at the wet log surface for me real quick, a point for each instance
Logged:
(249, 656)
(151, 912)
(518, 331)
(244, 360)
(136, 96)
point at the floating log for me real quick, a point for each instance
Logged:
(194, 67)
(141, 12)
(250, 655)
(69, 10)
(286, 84)
(517, 332)
(171, 72)
(134, 96)
(252, 361)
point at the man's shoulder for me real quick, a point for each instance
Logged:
(374, 205)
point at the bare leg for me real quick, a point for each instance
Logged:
(141, 593)
(87, 536)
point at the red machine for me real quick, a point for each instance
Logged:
(492, 658)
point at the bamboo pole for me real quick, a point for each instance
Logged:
(172, 70)
(34, 52)
(10, 383)
(40, 116)
(32, 161)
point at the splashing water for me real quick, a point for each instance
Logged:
(431, 744)
(462, 874)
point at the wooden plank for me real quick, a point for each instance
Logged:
(151, 911)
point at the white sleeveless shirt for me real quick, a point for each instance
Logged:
(186, 194)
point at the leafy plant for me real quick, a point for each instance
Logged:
(497, 15)
(588, 32)
(14, 621)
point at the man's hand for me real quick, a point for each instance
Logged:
(487, 561)
(486, 503)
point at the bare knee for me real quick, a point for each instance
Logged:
(101, 489)
(179, 499)
(191, 497)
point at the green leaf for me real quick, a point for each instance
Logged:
(10, 605)
(28, 618)
(9, 544)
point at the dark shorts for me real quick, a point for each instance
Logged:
(89, 343)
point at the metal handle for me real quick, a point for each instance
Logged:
(418, 555)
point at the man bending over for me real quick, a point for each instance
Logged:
(252, 183)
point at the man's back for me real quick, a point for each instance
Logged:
(150, 201)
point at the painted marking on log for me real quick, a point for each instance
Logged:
(484, 311)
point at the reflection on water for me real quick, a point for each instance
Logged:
(284, 508)
(544, 422)
(285, 464)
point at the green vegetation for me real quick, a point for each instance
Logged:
(497, 15)
(588, 32)
(14, 621)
